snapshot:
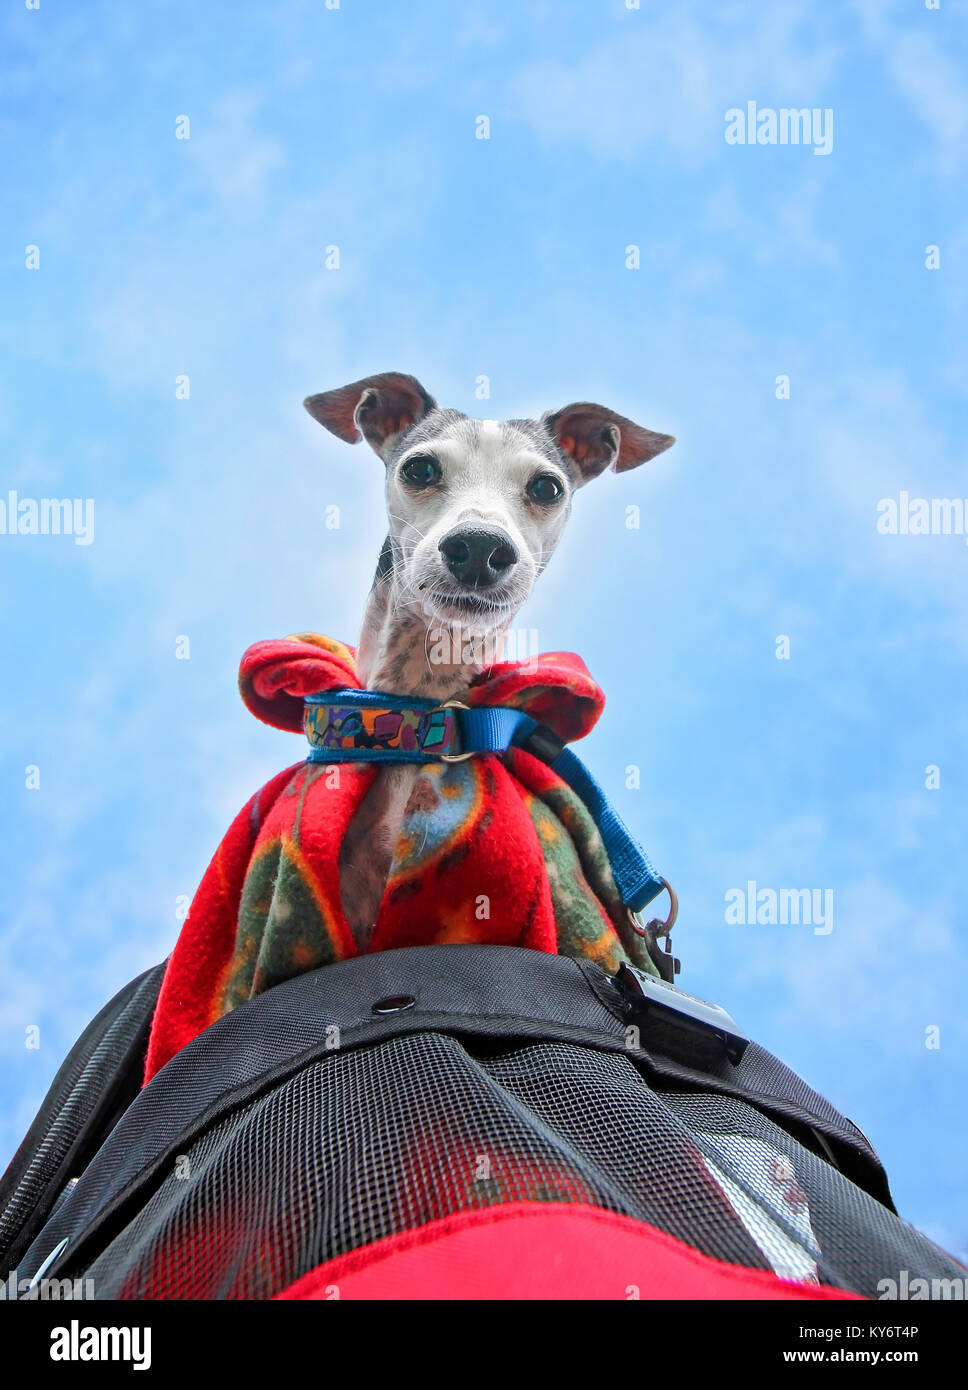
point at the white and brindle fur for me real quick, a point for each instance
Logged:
(470, 530)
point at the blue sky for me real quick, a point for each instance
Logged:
(506, 257)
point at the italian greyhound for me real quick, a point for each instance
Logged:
(475, 509)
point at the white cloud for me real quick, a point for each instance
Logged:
(785, 232)
(234, 160)
(924, 72)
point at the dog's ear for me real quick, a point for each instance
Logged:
(596, 438)
(379, 408)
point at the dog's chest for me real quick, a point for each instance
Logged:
(368, 847)
(410, 822)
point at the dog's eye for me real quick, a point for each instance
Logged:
(545, 488)
(422, 470)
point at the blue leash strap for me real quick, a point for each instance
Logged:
(492, 730)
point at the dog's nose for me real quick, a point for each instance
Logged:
(477, 556)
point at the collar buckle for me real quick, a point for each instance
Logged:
(454, 757)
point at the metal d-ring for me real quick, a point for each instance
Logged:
(454, 757)
(656, 926)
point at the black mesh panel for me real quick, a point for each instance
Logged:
(375, 1141)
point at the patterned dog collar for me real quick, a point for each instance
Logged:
(369, 726)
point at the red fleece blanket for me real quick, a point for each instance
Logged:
(496, 848)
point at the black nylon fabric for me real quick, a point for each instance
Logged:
(97, 1081)
(303, 1126)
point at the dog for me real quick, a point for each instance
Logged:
(475, 509)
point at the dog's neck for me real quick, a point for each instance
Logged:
(404, 652)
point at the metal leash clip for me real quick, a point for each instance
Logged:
(665, 962)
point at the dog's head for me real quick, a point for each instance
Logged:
(476, 507)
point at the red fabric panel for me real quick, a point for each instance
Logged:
(527, 1251)
(275, 676)
(204, 947)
